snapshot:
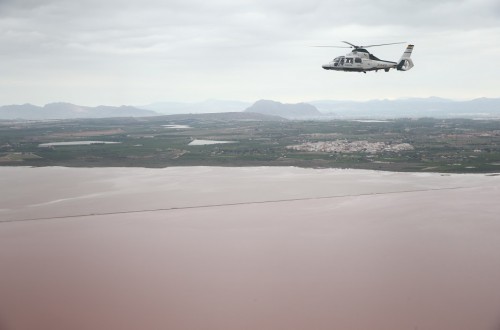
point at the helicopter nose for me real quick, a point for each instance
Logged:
(327, 66)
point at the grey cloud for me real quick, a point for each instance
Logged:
(132, 27)
(159, 23)
(117, 36)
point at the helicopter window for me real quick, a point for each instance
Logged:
(337, 59)
(349, 60)
(357, 60)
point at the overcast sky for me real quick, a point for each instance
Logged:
(115, 52)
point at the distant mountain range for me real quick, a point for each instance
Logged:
(69, 111)
(411, 107)
(323, 110)
(329, 109)
(289, 111)
(208, 106)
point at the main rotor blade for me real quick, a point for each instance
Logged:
(357, 47)
(392, 43)
(353, 46)
(333, 46)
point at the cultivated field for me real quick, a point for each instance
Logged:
(437, 145)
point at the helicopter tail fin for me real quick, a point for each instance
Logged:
(405, 63)
(407, 53)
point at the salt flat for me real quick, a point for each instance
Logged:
(248, 248)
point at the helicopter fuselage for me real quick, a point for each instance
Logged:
(359, 60)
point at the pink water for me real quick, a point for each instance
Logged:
(427, 259)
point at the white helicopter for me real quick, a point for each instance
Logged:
(360, 60)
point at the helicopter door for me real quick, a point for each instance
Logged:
(349, 61)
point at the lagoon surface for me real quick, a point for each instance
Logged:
(74, 143)
(208, 142)
(248, 248)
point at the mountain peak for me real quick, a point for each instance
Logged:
(298, 110)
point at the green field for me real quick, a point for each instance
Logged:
(438, 145)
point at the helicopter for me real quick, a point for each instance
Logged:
(360, 60)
